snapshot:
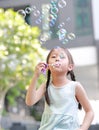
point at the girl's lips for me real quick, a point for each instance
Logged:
(56, 64)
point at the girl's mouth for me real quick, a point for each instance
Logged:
(56, 64)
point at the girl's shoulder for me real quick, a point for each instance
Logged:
(79, 88)
(76, 85)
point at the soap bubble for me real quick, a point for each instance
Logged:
(22, 13)
(36, 13)
(65, 41)
(71, 36)
(46, 9)
(33, 8)
(39, 20)
(45, 27)
(68, 19)
(52, 20)
(55, 1)
(52, 16)
(52, 23)
(44, 37)
(62, 3)
(62, 33)
(28, 10)
(61, 25)
(54, 10)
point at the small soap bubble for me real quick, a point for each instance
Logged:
(33, 8)
(28, 10)
(36, 13)
(71, 36)
(46, 9)
(55, 16)
(52, 20)
(38, 21)
(68, 19)
(22, 13)
(55, 1)
(45, 27)
(44, 37)
(62, 3)
(61, 25)
(62, 56)
(52, 23)
(65, 41)
(50, 33)
(54, 10)
(51, 17)
(62, 33)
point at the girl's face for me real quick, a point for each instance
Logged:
(58, 60)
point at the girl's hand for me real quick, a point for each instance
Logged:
(40, 68)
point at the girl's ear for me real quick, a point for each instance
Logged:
(71, 67)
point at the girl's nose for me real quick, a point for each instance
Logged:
(57, 58)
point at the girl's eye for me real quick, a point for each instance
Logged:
(53, 56)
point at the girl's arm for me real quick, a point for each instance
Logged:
(33, 95)
(84, 101)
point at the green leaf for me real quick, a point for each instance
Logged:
(19, 53)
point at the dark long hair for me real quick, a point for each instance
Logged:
(71, 73)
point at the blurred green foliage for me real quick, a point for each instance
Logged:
(20, 51)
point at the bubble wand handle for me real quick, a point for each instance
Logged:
(44, 69)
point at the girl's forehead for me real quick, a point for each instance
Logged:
(58, 51)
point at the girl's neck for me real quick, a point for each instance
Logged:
(59, 80)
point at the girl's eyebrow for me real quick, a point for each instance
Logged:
(53, 53)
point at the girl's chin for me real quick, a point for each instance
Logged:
(57, 69)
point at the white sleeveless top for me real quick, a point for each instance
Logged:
(62, 114)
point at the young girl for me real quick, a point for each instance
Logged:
(63, 96)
